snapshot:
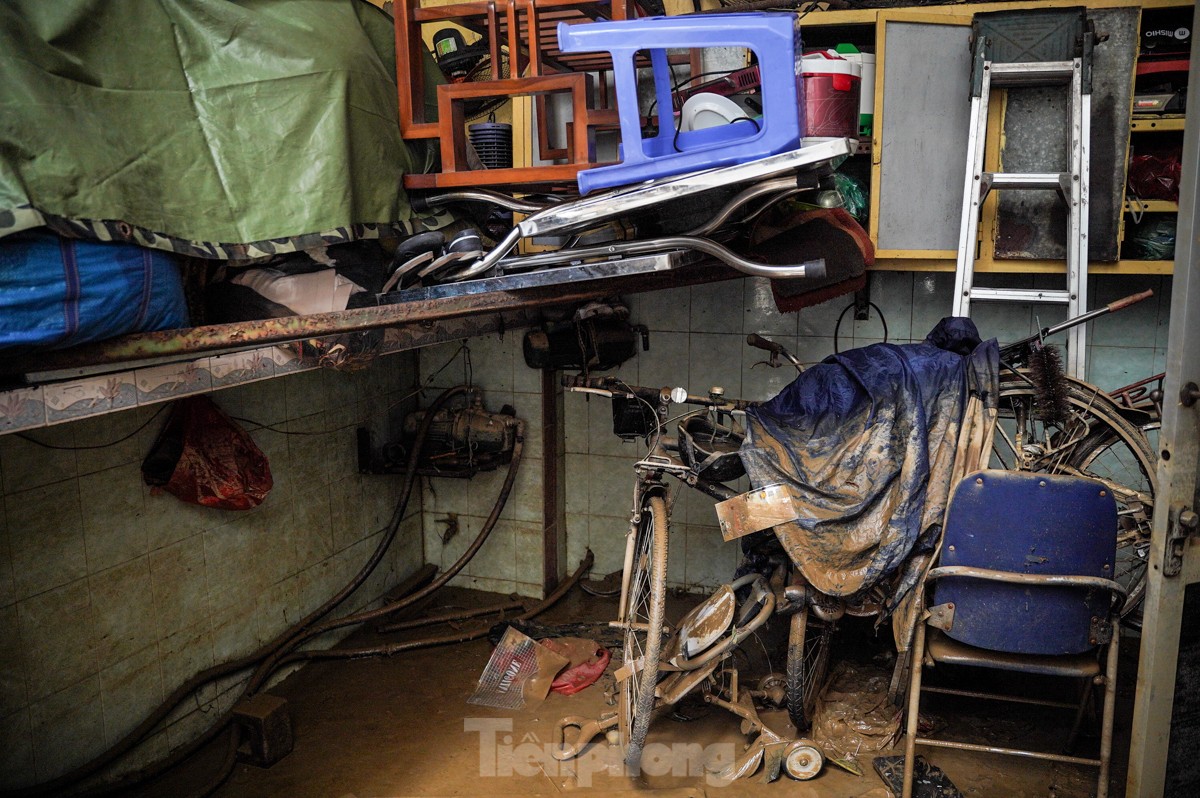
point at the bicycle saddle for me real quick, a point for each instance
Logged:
(710, 449)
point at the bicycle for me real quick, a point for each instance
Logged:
(703, 457)
(659, 672)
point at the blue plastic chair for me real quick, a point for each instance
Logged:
(774, 38)
(1024, 584)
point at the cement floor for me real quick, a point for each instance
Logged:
(401, 727)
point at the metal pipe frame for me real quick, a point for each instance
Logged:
(814, 269)
(1039, 580)
(997, 697)
(995, 749)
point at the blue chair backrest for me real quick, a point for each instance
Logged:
(1033, 524)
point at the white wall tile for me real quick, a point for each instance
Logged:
(893, 293)
(576, 418)
(717, 307)
(668, 360)
(525, 503)
(606, 537)
(16, 751)
(528, 547)
(497, 558)
(667, 310)
(759, 314)
(46, 537)
(123, 610)
(8, 588)
(27, 465)
(67, 728)
(13, 690)
(179, 583)
(129, 691)
(715, 360)
(101, 431)
(112, 504)
(610, 486)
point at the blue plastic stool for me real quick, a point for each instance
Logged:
(775, 40)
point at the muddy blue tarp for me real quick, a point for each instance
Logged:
(865, 442)
(208, 127)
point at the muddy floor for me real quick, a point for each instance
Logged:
(402, 727)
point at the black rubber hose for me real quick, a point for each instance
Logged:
(268, 666)
(135, 736)
(388, 649)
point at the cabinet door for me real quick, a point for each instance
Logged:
(922, 115)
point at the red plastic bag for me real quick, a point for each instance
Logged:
(586, 662)
(203, 457)
(1155, 176)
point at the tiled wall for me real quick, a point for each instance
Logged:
(110, 596)
(697, 341)
(511, 559)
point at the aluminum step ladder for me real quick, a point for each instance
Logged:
(1018, 49)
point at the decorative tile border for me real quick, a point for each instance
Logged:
(30, 408)
(23, 408)
(89, 397)
(240, 367)
(287, 359)
(161, 383)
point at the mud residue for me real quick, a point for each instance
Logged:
(854, 718)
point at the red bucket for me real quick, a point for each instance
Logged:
(831, 96)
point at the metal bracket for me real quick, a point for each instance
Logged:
(942, 617)
(1189, 394)
(1182, 523)
(1100, 632)
(862, 302)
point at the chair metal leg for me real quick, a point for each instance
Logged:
(1085, 698)
(914, 705)
(1110, 700)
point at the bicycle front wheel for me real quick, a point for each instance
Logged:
(645, 603)
(807, 664)
(1094, 440)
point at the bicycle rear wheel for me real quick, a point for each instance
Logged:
(807, 664)
(1095, 441)
(643, 624)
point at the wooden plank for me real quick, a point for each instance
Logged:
(755, 511)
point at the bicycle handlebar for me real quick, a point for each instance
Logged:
(612, 386)
(776, 349)
(757, 341)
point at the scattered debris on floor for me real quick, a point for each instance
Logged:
(586, 663)
(929, 781)
(519, 673)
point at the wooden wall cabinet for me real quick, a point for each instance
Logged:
(918, 147)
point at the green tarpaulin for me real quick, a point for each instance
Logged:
(212, 128)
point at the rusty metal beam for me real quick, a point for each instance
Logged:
(419, 319)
